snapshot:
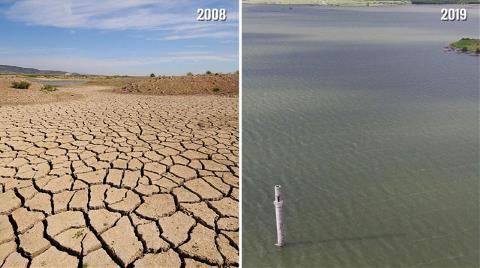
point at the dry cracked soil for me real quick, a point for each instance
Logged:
(120, 180)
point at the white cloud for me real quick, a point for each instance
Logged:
(174, 18)
(211, 30)
(190, 46)
(109, 14)
(196, 35)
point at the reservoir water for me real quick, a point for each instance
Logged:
(372, 129)
(58, 82)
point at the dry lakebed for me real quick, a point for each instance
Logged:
(114, 180)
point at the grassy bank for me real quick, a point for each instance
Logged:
(467, 45)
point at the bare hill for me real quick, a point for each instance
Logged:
(9, 69)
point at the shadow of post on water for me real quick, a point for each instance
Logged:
(295, 243)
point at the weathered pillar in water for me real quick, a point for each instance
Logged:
(279, 215)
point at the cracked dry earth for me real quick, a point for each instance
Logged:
(120, 180)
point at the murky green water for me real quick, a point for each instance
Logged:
(371, 128)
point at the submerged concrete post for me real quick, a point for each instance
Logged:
(279, 215)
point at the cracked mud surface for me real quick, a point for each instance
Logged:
(113, 180)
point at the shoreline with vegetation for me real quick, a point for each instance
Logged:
(467, 45)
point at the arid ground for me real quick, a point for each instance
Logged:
(91, 178)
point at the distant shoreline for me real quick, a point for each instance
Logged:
(351, 3)
(329, 3)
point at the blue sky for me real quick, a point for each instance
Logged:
(133, 37)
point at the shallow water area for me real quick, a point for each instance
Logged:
(58, 82)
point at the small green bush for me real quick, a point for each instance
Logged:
(21, 85)
(189, 74)
(49, 88)
(216, 89)
(152, 75)
(208, 72)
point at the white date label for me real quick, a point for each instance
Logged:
(454, 14)
(211, 14)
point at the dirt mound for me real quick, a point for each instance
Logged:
(218, 84)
